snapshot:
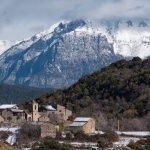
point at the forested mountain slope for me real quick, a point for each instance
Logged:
(119, 91)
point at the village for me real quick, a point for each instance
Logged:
(52, 119)
(48, 117)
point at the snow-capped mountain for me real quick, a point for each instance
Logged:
(132, 38)
(4, 45)
(68, 50)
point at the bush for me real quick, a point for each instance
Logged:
(111, 136)
(108, 137)
(134, 146)
(81, 136)
(49, 144)
(103, 144)
(29, 132)
(140, 145)
(69, 136)
(58, 135)
(4, 135)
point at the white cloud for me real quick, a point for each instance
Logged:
(23, 18)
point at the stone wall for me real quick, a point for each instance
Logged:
(89, 127)
(12, 117)
(48, 130)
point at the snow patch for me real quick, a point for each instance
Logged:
(11, 139)
(4, 45)
(12, 130)
(124, 141)
(134, 133)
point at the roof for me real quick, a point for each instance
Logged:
(50, 107)
(7, 106)
(17, 110)
(82, 119)
(77, 124)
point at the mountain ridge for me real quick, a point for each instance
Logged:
(59, 56)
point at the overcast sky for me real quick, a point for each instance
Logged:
(22, 18)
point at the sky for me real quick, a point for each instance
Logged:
(21, 19)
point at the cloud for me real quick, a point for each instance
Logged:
(20, 19)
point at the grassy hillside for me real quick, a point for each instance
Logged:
(120, 91)
(18, 93)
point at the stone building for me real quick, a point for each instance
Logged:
(52, 113)
(35, 111)
(87, 125)
(63, 112)
(48, 130)
(11, 113)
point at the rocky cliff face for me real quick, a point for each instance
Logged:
(59, 56)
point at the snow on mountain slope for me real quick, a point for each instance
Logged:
(68, 50)
(129, 38)
(57, 57)
(4, 45)
(133, 39)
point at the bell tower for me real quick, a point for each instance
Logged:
(35, 111)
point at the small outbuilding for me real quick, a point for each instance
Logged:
(47, 129)
(85, 124)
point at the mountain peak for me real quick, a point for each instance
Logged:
(68, 50)
(62, 26)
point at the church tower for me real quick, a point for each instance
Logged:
(35, 111)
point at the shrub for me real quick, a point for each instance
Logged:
(49, 144)
(29, 132)
(69, 136)
(111, 136)
(140, 145)
(81, 136)
(4, 135)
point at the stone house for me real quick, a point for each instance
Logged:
(85, 124)
(47, 129)
(52, 113)
(11, 113)
(63, 112)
